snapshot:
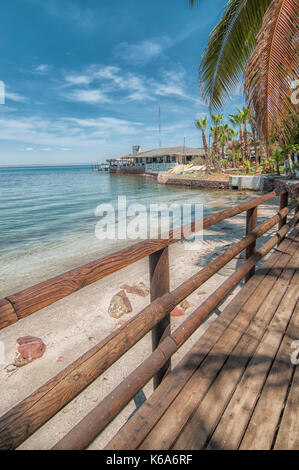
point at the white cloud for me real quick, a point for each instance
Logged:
(13, 96)
(112, 84)
(74, 79)
(66, 133)
(143, 52)
(88, 96)
(42, 68)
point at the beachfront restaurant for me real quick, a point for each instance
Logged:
(164, 159)
(159, 160)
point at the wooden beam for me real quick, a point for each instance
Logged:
(7, 314)
(284, 199)
(251, 221)
(159, 285)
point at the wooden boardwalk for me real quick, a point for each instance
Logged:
(237, 388)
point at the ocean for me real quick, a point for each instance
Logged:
(48, 220)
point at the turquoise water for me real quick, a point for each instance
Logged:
(47, 217)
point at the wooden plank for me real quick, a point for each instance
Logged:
(202, 424)
(233, 423)
(166, 431)
(45, 293)
(265, 419)
(288, 434)
(133, 433)
(7, 314)
(160, 285)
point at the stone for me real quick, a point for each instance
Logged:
(119, 305)
(29, 348)
(137, 289)
(177, 312)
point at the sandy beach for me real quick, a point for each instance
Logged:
(73, 325)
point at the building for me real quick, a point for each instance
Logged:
(156, 160)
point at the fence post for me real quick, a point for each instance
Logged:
(251, 221)
(159, 285)
(284, 200)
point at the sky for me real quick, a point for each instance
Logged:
(83, 79)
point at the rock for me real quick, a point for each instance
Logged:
(29, 348)
(177, 312)
(10, 368)
(137, 289)
(119, 305)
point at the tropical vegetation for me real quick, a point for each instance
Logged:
(255, 41)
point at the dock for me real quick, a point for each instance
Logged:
(100, 167)
(236, 388)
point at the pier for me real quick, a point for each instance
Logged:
(100, 167)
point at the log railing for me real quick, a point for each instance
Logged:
(27, 416)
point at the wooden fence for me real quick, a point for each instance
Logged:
(35, 410)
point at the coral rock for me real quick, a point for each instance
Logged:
(177, 312)
(119, 305)
(139, 289)
(29, 348)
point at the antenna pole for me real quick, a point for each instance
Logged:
(160, 133)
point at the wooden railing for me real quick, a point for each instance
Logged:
(27, 416)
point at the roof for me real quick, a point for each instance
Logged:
(172, 152)
(119, 159)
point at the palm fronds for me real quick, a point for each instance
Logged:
(272, 67)
(229, 47)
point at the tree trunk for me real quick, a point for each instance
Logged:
(263, 148)
(216, 151)
(242, 145)
(246, 153)
(234, 154)
(207, 156)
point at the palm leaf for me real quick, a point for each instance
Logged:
(230, 45)
(272, 67)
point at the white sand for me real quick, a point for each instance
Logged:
(75, 324)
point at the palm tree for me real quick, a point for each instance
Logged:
(255, 38)
(232, 137)
(202, 125)
(217, 119)
(237, 121)
(223, 137)
(246, 117)
(254, 138)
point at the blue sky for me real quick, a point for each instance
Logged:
(84, 78)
